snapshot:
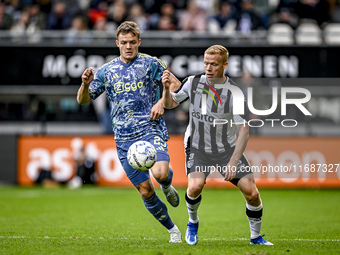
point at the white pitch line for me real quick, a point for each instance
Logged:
(312, 240)
(150, 238)
(276, 239)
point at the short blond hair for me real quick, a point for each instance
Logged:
(218, 49)
(128, 27)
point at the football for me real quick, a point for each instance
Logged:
(142, 155)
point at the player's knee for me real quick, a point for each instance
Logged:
(254, 198)
(145, 190)
(160, 173)
(146, 193)
(195, 189)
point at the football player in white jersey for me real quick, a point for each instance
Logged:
(210, 146)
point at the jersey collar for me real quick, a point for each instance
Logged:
(225, 82)
(127, 65)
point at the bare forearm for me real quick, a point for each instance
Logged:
(170, 83)
(167, 99)
(83, 96)
(175, 83)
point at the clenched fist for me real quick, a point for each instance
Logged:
(87, 76)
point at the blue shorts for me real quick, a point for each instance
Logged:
(135, 176)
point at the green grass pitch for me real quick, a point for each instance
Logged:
(94, 220)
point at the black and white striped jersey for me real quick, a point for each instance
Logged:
(214, 129)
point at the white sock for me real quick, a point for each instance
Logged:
(255, 223)
(193, 208)
(173, 228)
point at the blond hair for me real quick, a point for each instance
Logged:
(128, 27)
(218, 49)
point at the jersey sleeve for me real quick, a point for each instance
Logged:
(158, 67)
(97, 86)
(238, 120)
(183, 92)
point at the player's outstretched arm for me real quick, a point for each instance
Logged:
(241, 143)
(157, 110)
(174, 82)
(83, 96)
(170, 83)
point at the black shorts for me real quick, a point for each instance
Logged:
(199, 161)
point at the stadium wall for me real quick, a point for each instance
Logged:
(64, 65)
(277, 162)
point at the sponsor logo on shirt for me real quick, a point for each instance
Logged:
(120, 87)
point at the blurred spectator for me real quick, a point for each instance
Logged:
(84, 5)
(72, 6)
(13, 8)
(165, 20)
(317, 10)
(6, 20)
(262, 9)
(37, 17)
(193, 18)
(99, 11)
(85, 158)
(137, 15)
(210, 7)
(59, 18)
(23, 26)
(151, 6)
(101, 25)
(45, 177)
(225, 14)
(85, 165)
(178, 4)
(95, 3)
(190, 15)
(284, 15)
(166, 23)
(117, 14)
(79, 33)
(247, 19)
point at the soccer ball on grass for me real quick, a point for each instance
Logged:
(142, 155)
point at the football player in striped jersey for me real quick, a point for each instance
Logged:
(214, 147)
